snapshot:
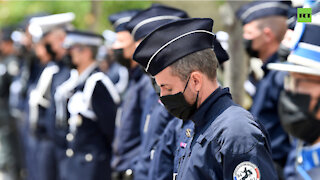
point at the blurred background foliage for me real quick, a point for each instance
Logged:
(91, 15)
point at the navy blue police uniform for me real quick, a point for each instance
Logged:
(154, 117)
(9, 140)
(119, 75)
(41, 98)
(162, 164)
(265, 100)
(227, 143)
(295, 115)
(91, 111)
(128, 138)
(126, 145)
(30, 143)
(54, 144)
(161, 168)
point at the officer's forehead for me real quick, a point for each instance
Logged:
(306, 77)
(251, 26)
(297, 81)
(166, 77)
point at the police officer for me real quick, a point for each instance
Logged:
(33, 132)
(9, 151)
(92, 110)
(43, 109)
(299, 106)
(33, 60)
(174, 140)
(184, 65)
(127, 141)
(118, 74)
(264, 26)
(154, 116)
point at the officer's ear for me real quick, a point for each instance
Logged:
(196, 80)
(268, 34)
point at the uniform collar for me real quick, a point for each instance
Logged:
(271, 59)
(211, 107)
(136, 73)
(86, 73)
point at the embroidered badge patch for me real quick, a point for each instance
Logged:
(246, 171)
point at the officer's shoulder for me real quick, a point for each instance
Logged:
(99, 80)
(278, 78)
(145, 81)
(236, 131)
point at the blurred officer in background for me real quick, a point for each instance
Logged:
(299, 105)
(9, 145)
(28, 63)
(154, 116)
(92, 111)
(42, 109)
(24, 82)
(228, 143)
(32, 141)
(127, 142)
(264, 26)
(118, 74)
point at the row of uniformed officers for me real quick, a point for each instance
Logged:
(144, 102)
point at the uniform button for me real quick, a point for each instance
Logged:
(69, 137)
(88, 157)
(69, 152)
(79, 120)
(128, 172)
(300, 159)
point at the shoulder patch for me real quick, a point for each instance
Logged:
(246, 171)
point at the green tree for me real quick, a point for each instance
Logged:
(13, 12)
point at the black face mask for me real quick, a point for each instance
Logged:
(283, 52)
(67, 61)
(118, 56)
(296, 118)
(177, 105)
(50, 51)
(248, 46)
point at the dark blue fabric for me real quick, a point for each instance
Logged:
(162, 164)
(173, 52)
(123, 14)
(290, 171)
(265, 108)
(31, 143)
(225, 135)
(280, 10)
(182, 141)
(54, 133)
(153, 11)
(113, 72)
(94, 137)
(152, 130)
(49, 136)
(128, 138)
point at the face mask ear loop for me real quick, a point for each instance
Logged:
(317, 107)
(186, 84)
(197, 99)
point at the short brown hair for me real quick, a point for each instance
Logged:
(204, 61)
(277, 24)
